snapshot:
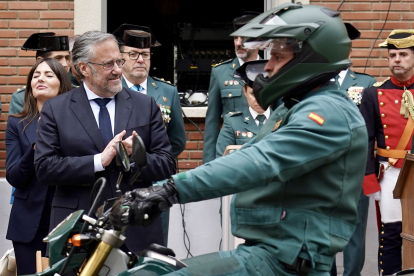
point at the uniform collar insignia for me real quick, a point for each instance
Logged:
(402, 84)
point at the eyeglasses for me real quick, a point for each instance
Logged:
(110, 64)
(135, 55)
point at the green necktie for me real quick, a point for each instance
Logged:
(261, 119)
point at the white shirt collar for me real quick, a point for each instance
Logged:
(91, 95)
(342, 75)
(144, 85)
(254, 113)
(241, 62)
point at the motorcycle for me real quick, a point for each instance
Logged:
(89, 245)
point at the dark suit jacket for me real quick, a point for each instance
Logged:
(30, 196)
(68, 138)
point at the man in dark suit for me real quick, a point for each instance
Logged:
(77, 135)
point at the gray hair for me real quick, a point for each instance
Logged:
(83, 50)
(72, 41)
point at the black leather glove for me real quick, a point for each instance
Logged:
(142, 206)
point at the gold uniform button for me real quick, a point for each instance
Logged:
(386, 136)
(381, 263)
(382, 115)
(382, 239)
(380, 254)
(230, 95)
(380, 93)
(382, 225)
(381, 104)
(388, 148)
(381, 246)
(382, 270)
(385, 126)
(396, 101)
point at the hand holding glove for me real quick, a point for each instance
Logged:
(142, 206)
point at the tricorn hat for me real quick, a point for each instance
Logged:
(242, 20)
(46, 42)
(249, 70)
(135, 36)
(399, 39)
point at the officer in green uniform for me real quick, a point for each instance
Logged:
(136, 43)
(225, 92)
(46, 45)
(297, 185)
(354, 254)
(241, 127)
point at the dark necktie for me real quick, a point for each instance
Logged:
(104, 120)
(261, 119)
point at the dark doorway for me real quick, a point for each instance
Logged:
(194, 34)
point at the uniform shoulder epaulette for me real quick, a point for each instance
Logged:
(235, 113)
(162, 80)
(362, 74)
(380, 83)
(223, 62)
(21, 89)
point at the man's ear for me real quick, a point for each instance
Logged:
(38, 57)
(83, 68)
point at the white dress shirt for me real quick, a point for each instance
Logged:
(254, 115)
(95, 109)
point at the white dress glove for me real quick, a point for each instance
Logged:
(376, 196)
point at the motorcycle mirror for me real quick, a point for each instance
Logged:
(122, 159)
(139, 154)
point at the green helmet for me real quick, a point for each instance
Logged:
(317, 37)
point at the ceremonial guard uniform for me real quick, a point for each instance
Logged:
(297, 185)
(42, 43)
(385, 110)
(166, 96)
(241, 127)
(354, 254)
(225, 92)
(225, 95)
(139, 38)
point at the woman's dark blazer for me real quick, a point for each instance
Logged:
(30, 195)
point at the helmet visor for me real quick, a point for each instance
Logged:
(252, 70)
(248, 72)
(274, 45)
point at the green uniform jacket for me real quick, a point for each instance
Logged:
(354, 79)
(238, 129)
(17, 98)
(298, 184)
(166, 96)
(224, 96)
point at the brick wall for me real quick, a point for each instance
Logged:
(369, 17)
(192, 156)
(18, 20)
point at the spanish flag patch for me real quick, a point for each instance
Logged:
(316, 118)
